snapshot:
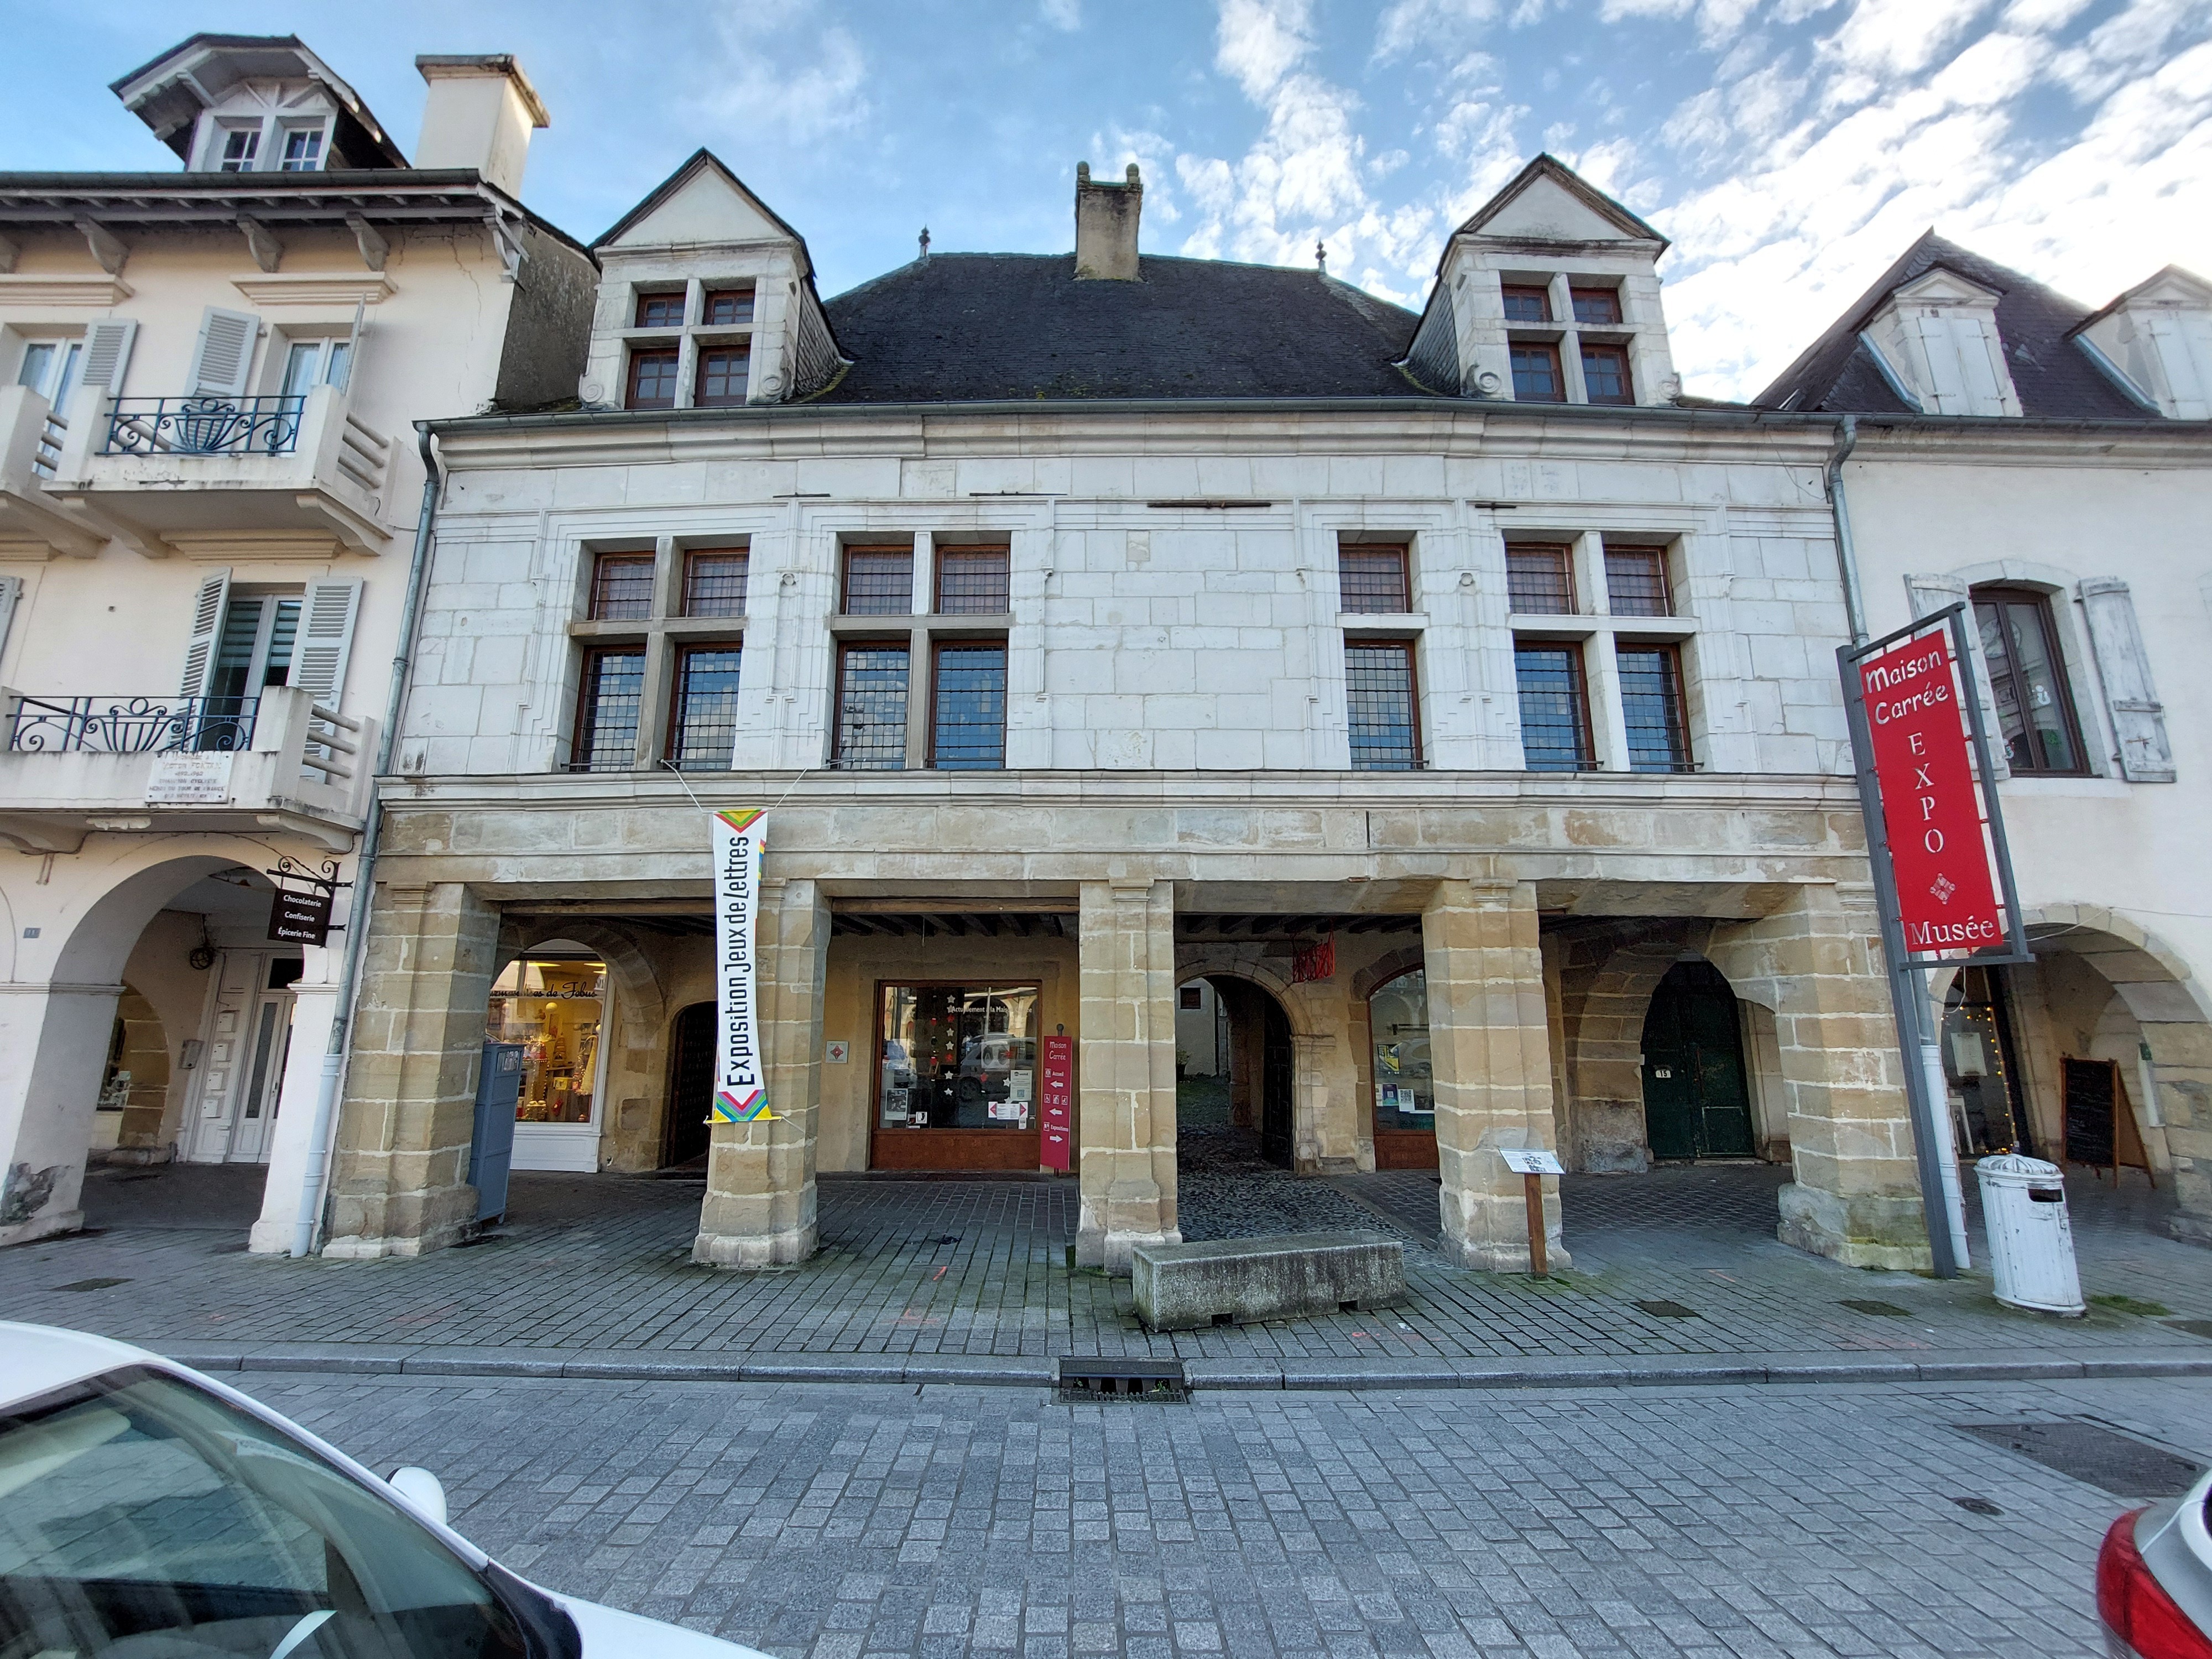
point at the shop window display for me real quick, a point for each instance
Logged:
(553, 1008)
(958, 1057)
(1398, 1018)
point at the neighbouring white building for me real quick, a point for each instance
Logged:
(2051, 467)
(209, 487)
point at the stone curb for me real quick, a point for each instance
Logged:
(340, 1359)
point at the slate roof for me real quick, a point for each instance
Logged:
(979, 327)
(2053, 375)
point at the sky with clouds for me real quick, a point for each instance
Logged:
(1791, 149)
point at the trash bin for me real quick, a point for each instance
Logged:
(491, 1153)
(2031, 1241)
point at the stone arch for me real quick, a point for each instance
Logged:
(1387, 967)
(1324, 1085)
(636, 1100)
(1606, 979)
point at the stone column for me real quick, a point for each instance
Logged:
(53, 1047)
(1324, 1131)
(1817, 964)
(1126, 1072)
(1492, 1053)
(313, 1005)
(759, 1208)
(399, 1182)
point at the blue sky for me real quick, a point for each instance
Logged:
(1790, 148)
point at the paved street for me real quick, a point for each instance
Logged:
(1679, 1263)
(843, 1520)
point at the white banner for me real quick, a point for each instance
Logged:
(740, 1078)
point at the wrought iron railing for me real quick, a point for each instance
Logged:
(133, 725)
(203, 425)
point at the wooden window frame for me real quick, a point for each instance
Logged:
(1611, 295)
(937, 648)
(1404, 552)
(941, 552)
(846, 645)
(601, 563)
(1608, 348)
(672, 741)
(1551, 350)
(1566, 555)
(657, 296)
(1407, 644)
(1666, 578)
(639, 357)
(2007, 594)
(1670, 654)
(689, 556)
(702, 350)
(586, 689)
(1587, 732)
(1507, 292)
(943, 1148)
(728, 291)
(845, 577)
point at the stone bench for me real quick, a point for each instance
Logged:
(1180, 1287)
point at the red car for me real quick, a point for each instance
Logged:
(2154, 1579)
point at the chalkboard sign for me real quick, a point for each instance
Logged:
(2092, 1092)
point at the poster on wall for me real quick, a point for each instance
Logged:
(740, 1078)
(1056, 1102)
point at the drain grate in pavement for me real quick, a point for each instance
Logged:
(1887, 1310)
(2194, 1327)
(92, 1284)
(1666, 1309)
(1978, 1506)
(1103, 1376)
(2089, 1452)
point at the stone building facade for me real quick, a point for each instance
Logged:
(1442, 692)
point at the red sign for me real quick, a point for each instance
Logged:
(1056, 1102)
(1945, 887)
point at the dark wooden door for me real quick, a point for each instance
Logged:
(691, 1086)
(1697, 1100)
(1278, 1067)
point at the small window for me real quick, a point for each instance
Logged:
(621, 587)
(303, 149)
(1373, 579)
(726, 306)
(1635, 581)
(49, 368)
(311, 363)
(653, 380)
(1555, 734)
(659, 311)
(972, 582)
(703, 727)
(1190, 998)
(1597, 307)
(878, 581)
(1604, 374)
(607, 712)
(1540, 579)
(1651, 707)
(241, 145)
(968, 707)
(2027, 678)
(715, 581)
(1379, 698)
(721, 378)
(1536, 378)
(872, 706)
(1527, 305)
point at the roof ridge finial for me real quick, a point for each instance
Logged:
(1321, 257)
(924, 242)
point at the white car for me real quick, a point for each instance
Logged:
(2154, 1579)
(148, 1512)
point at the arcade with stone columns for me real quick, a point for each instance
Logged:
(1553, 922)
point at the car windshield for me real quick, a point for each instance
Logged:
(144, 1518)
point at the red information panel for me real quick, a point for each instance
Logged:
(1945, 889)
(1056, 1102)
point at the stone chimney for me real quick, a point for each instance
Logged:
(480, 115)
(1106, 227)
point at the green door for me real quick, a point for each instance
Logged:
(1696, 1100)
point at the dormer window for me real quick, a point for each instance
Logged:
(1527, 305)
(303, 149)
(653, 376)
(2155, 341)
(729, 307)
(1536, 377)
(661, 310)
(1936, 343)
(1605, 373)
(721, 375)
(241, 145)
(1597, 307)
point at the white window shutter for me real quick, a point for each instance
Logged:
(11, 595)
(207, 627)
(2138, 717)
(107, 353)
(318, 660)
(1978, 366)
(1947, 387)
(224, 356)
(1930, 595)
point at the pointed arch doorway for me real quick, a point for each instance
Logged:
(1697, 1098)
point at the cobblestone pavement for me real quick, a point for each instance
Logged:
(838, 1523)
(977, 1267)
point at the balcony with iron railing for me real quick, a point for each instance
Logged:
(278, 761)
(184, 473)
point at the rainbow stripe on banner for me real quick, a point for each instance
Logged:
(740, 1094)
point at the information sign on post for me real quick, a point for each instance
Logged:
(1056, 1103)
(1532, 1165)
(1942, 873)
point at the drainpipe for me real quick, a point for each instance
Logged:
(315, 1187)
(1847, 563)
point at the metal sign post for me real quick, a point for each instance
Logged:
(1930, 805)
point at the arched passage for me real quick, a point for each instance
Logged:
(1257, 1097)
(1697, 1093)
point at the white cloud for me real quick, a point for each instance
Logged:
(1260, 41)
(1066, 15)
(777, 67)
(1442, 26)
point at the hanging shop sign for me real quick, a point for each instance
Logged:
(1056, 1102)
(740, 1078)
(1920, 748)
(1311, 963)
(300, 908)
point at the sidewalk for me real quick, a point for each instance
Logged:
(1676, 1276)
